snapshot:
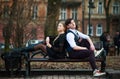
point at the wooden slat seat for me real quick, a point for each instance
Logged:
(61, 60)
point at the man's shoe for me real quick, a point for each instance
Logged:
(97, 73)
(97, 53)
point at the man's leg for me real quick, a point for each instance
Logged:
(82, 54)
(103, 63)
(118, 50)
(92, 60)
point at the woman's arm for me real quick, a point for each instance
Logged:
(48, 42)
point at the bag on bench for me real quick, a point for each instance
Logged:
(12, 60)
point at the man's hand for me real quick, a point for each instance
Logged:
(92, 47)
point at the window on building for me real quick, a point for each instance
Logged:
(63, 14)
(116, 8)
(99, 30)
(100, 7)
(6, 0)
(74, 13)
(35, 11)
(90, 30)
(63, 0)
(37, 0)
(92, 11)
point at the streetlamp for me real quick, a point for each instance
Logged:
(91, 5)
(83, 7)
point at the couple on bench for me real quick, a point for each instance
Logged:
(77, 44)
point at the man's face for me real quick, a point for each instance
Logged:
(72, 25)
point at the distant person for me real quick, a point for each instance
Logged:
(80, 46)
(105, 39)
(117, 41)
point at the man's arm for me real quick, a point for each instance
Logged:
(92, 47)
(71, 41)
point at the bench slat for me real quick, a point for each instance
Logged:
(60, 60)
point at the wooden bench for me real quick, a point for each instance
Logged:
(30, 58)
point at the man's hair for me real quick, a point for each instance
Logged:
(68, 21)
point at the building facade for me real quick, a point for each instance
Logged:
(89, 21)
(98, 17)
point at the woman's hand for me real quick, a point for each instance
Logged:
(48, 42)
(49, 45)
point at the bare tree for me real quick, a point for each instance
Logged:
(22, 18)
(1, 8)
(18, 16)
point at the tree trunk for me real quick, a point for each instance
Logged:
(106, 7)
(19, 15)
(7, 32)
(107, 21)
(52, 17)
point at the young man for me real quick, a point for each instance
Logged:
(80, 46)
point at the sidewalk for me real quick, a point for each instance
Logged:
(58, 77)
(63, 74)
(84, 73)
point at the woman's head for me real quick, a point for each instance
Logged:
(60, 27)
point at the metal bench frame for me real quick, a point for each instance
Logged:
(31, 58)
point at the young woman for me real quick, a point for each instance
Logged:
(56, 49)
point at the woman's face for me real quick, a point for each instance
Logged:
(60, 27)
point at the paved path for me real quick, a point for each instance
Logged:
(59, 77)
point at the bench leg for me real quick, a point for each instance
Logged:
(27, 68)
(103, 62)
(27, 64)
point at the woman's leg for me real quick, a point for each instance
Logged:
(34, 48)
(41, 47)
(51, 53)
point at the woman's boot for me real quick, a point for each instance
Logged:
(27, 49)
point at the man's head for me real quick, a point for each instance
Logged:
(70, 24)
